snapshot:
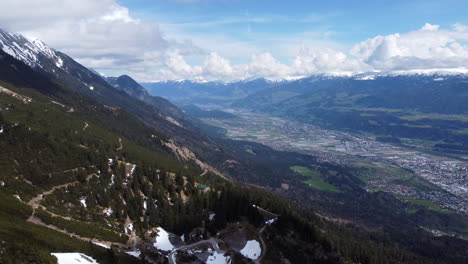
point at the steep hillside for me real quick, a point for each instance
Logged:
(126, 84)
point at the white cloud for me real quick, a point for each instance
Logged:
(216, 65)
(325, 60)
(429, 27)
(100, 34)
(265, 65)
(104, 35)
(426, 48)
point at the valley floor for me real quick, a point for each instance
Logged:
(410, 174)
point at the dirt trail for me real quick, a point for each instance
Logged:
(35, 203)
(35, 220)
(213, 241)
(259, 259)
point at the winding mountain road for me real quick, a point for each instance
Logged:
(213, 241)
(35, 203)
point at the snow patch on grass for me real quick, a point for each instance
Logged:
(211, 217)
(73, 258)
(130, 228)
(83, 201)
(108, 211)
(251, 250)
(218, 258)
(162, 240)
(101, 245)
(135, 253)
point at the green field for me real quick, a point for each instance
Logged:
(369, 171)
(314, 181)
(425, 203)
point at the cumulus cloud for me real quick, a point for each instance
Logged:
(216, 65)
(104, 35)
(325, 60)
(426, 48)
(100, 34)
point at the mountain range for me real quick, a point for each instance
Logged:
(100, 166)
(399, 107)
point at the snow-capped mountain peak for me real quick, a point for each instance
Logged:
(28, 50)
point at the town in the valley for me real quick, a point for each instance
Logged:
(447, 177)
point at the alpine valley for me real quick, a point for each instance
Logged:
(107, 170)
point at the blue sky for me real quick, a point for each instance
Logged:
(237, 39)
(351, 21)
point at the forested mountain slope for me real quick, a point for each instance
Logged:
(82, 165)
(73, 166)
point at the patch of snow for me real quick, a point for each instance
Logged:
(83, 201)
(135, 253)
(129, 228)
(182, 237)
(73, 258)
(17, 197)
(439, 79)
(9, 50)
(211, 217)
(91, 87)
(110, 162)
(271, 221)
(1, 129)
(365, 77)
(218, 258)
(59, 62)
(251, 250)
(112, 179)
(162, 240)
(132, 170)
(145, 205)
(27, 50)
(108, 211)
(101, 245)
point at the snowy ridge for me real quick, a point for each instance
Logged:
(363, 76)
(427, 72)
(27, 50)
